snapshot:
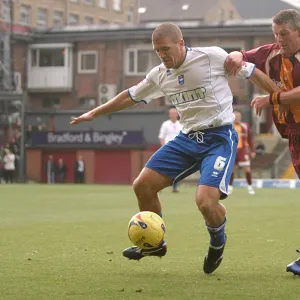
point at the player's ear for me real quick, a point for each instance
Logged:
(181, 43)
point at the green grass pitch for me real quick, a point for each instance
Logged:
(65, 242)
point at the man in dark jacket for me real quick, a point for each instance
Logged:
(61, 171)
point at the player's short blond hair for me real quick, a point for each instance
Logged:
(167, 30)
(287, 16)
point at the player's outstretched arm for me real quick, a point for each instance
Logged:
(290, 97)
(281, 98)
(120, 102)
(262, 81)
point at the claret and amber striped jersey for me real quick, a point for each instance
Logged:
(285, 72)
(245, 136)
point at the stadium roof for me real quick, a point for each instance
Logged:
(153, 25)
(240, 28)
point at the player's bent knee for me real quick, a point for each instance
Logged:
(139, 185)
(204, 202)
(142, 187)
(205, 206)
(207, 198)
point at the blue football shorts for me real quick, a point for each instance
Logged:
(210, 151)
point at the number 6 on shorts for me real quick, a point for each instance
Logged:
(220, 163)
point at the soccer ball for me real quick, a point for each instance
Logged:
(146, 229)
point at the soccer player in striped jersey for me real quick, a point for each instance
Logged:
(281, 62)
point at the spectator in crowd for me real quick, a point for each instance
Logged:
(79, 170)
(29, 130)
(42, 127)
(260, 148)
(61, 171)
(17, 134)
(14, 147)
(50, 170)
(9, 166)
(168, 131)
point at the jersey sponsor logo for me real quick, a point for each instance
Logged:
(181, 79)
(188, 96)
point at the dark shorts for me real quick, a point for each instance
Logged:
(294, 145)
(242, 157)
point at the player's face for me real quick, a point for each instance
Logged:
(287, 38)
(238, 118)
(171, 54)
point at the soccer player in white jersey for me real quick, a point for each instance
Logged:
(168, 131)
(195, 81)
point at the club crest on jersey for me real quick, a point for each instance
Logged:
(181, 79)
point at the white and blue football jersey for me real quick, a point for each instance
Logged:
(198, 88)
